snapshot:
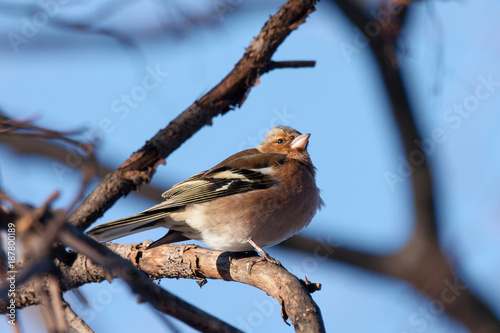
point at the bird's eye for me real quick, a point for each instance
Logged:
(280, 141)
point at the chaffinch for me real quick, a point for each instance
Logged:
(253, 199)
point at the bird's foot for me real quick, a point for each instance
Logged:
(263, 257)
(253, 261)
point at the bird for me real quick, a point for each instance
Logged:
(253, 199)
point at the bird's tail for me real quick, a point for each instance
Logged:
(128, 225)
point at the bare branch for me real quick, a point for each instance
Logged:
(48, 292)
(36, 146)
(55, 304)
(76, 323)
(422, 262)
(429, 272)
(287, 64)
(191, 262)
(24, 128)
(139, 282)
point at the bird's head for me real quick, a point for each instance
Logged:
(287, 141)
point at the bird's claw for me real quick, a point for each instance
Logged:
(267, 258)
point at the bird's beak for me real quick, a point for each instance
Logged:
(301, 141)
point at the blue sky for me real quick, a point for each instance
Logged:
(449, 56)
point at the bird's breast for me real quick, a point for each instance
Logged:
(267, 216)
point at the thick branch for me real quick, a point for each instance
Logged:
(428, 272)
(191, 262)
(110, 265)
(228, 94)
(161, 299)
(421, 262)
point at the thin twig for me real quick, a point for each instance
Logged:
(34, 146)
(76, 323)
(56, 304)
(287, 64)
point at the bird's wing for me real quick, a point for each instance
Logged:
(245, 171)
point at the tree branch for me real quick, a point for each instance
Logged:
(428, 272)
(36, 146)
(161, 299)
(175, 261)
(52, 303)
(287, 64)
(38, 287)
(188, 262)
(421, 262)
(76, 323)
